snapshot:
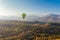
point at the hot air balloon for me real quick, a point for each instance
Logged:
(23, 15)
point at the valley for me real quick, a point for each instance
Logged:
(28, 30)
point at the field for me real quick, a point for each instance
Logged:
(29, 30)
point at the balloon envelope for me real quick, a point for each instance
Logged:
(23, 15)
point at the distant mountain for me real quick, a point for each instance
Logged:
(50, 18)
(32, 18)
(45, 18)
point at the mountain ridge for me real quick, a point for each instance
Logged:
(45, 18)
(50, 18)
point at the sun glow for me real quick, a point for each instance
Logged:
(7, 13)
(3, 12)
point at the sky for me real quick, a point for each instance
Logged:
(14, 8)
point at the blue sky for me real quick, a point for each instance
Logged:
(14, 8)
